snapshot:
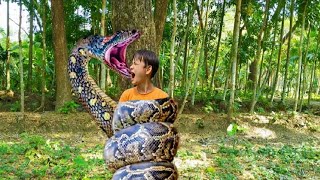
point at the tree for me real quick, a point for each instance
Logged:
(8, 87)
(297, 88)
(186, 45)
(218, 45)
(63, 90)
(203, 28)
(234, 53)
(257, 58)
(21, 63)
(151, 24)
(173, 41)
(313, 72)
(279, 58)
(160, 14)
(29, 85)
(44, 52)
(102, 33)
(288, 53)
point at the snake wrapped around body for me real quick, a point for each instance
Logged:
(142, 139)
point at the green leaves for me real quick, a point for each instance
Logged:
(36, 157)
(68, 107)
(232, 129)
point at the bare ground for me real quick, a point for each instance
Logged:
(197, 131)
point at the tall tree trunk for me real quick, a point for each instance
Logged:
(274, 86)
(204, 34)
(238, 77)
(8, 85)
(218, 45)
(234, 53)
(173, 39)
(186, 48)
(189, 81)
(271, 54)
(283, 94)
(102, 33)
(313, 71)
(63, 93)
(297, 88)
(261, 69)
(44, 56)
(122, 18)
(160, 14)
(257, 59)
(21, 63)
(29, 85)
(304, 66)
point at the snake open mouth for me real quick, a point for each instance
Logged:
(115, 56)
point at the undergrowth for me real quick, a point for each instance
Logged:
(37, 157)
(249, 161)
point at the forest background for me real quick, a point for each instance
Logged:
(227, 56)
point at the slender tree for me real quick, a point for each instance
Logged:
(257, 58)
(234, 52)
(173, 39)
(102, 33)
(218, 45)
(304, 70)
(288, 53)
(21, 63)
(297, 88)
(31, 10)
(189, 80)
(186, 45)
(44, 53)
(313, 72)
(8, 85)
(279, 58)
(203, 28)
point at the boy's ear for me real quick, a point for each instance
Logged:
(149, 70)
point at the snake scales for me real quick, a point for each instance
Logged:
(142, 140)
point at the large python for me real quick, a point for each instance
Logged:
(142, 140)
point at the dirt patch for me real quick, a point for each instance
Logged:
(284, 128)
(205, 146)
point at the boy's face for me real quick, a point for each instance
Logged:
(140, 72)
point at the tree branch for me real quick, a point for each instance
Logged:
(18, 25)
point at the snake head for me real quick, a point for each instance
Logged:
(115, 55)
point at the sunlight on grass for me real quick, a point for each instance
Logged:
(244, 160)
(36, 157)
(263, 133)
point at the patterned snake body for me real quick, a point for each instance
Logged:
(143, 141)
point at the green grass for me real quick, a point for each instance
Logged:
(35, 157)
(256, 162)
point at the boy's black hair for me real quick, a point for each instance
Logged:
(149, 58)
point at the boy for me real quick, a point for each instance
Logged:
(144, 66)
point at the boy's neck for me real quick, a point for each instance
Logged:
(145, 88)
